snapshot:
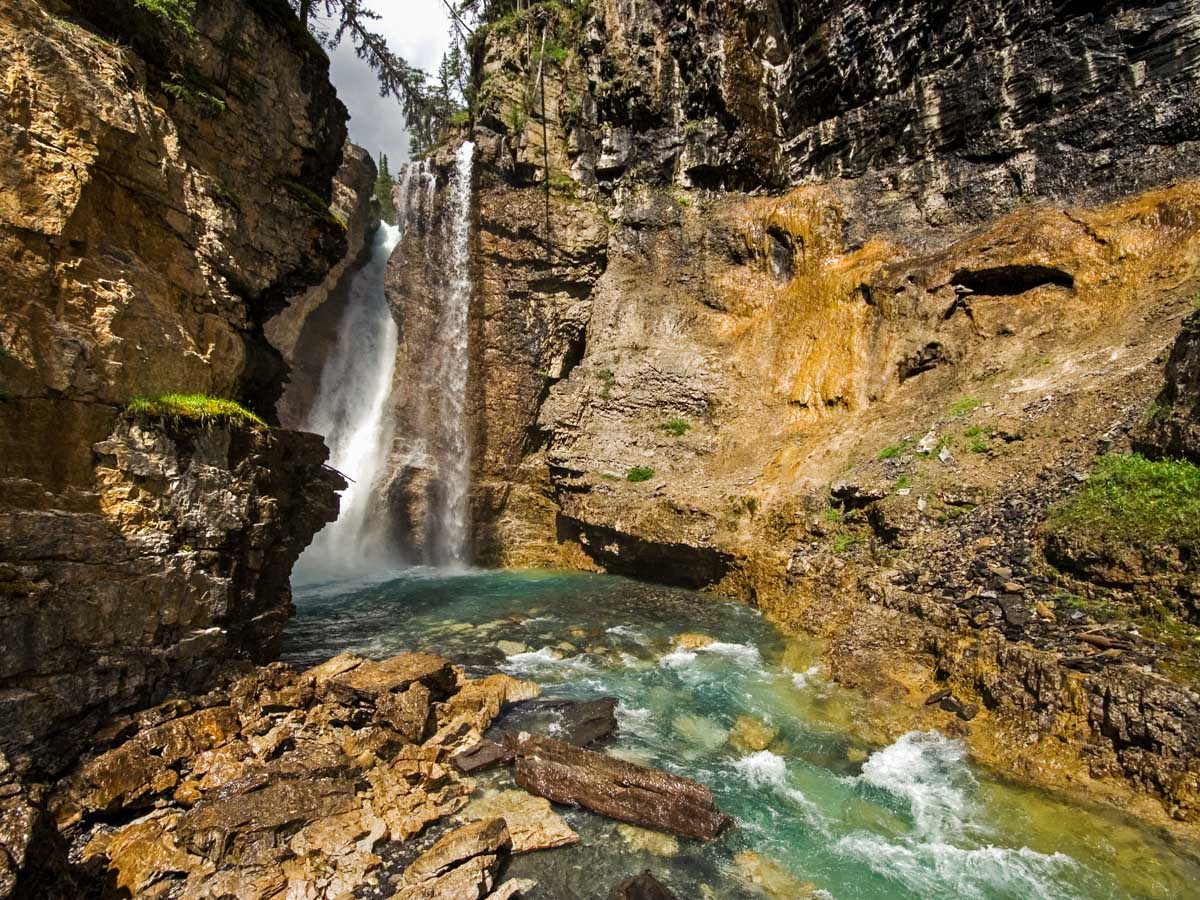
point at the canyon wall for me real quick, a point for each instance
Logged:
(164, 191)
(826, 307)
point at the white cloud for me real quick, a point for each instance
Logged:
(416, 30)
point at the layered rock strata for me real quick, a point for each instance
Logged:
(163, 192)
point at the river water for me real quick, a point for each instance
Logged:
(819, 813)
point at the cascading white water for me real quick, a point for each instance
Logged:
(453, 365)
(352, 409)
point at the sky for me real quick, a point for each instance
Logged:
(416, 30)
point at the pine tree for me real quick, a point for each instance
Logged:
(385, 187)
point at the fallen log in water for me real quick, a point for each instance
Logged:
(612, 787)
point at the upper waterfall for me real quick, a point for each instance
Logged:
(352, 409)
(452, 513)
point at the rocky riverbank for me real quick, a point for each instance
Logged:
(330, 782)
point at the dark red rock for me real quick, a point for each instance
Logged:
(563, 773)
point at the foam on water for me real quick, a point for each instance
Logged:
(625, 631)
(677, 658)
(742, 654)
(769, 770)
(546, 657)
(941, 869)
(930, 772)
(803, 679)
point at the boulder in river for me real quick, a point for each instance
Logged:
(582, 723)
(641, 887)
(640, 795)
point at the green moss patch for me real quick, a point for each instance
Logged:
(195, 407)
(1129, 499)
(639, 473)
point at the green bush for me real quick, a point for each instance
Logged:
(607, 380)
(845, 541)
(1129, 499)
(176, 13)
(194, 407)
(639, 473)
(676, 427)
(184, 90)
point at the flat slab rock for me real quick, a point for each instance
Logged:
(368, 681)
(462, 865)
(532, 824)
(612, 787)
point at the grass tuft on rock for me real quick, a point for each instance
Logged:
(639, 473)
(196, 408)
(1129, 499)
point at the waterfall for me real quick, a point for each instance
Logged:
(451, 515)
(352, 408)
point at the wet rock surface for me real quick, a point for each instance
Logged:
(582, 723)
(611, 787)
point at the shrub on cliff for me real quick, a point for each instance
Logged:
(195, 407)
(176, 13)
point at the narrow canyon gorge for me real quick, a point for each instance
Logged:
(753, 451)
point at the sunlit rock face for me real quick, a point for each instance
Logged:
(149, 226)
(732, 255)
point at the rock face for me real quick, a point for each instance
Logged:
(728, 257)
(162, 195)
(305, 332)
(1172, 428)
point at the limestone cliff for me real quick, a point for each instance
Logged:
(163, 192)
(789, 300)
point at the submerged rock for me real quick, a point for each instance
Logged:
(771, 878)
(641, 887)
(751, 735)
(611, 787)
(650, 841)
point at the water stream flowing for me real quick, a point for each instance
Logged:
(820, 811)
(352, 405)
(451, 356)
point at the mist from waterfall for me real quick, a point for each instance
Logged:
(452, 359)
(352, 408)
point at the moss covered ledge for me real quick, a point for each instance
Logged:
(195, 408)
